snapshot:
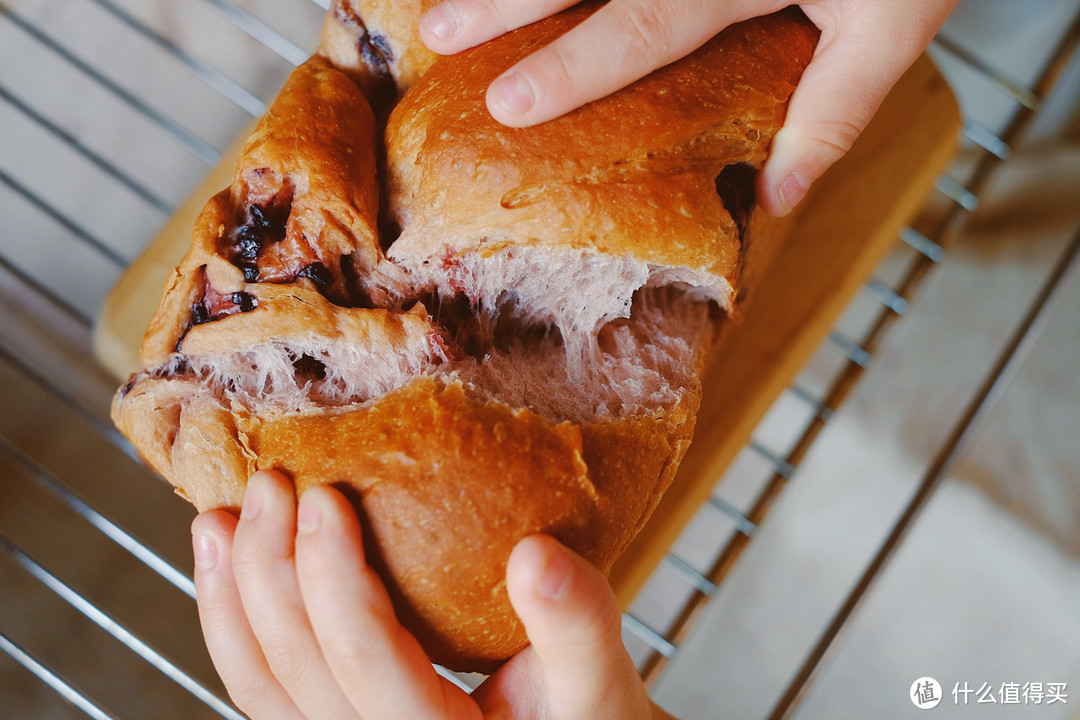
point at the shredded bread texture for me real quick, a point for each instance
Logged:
(576, 338)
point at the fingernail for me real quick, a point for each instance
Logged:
(554, 580)
(252, 501)
(792, 190)
(308, 516)
(513, 93)
(441, 20)
(204, 549)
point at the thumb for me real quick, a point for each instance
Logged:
(860, 56)
(574, 625)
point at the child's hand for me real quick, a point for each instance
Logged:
(866, 45)
(299, 626)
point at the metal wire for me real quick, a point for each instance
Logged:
(741, 523)
(54, 680)
(779, 464)
(46, 382)
(689, 575)
(987, 140)
(1029, 99)
(955, 191)
(930, 249)
(888, 297)
(850, 349)
(203, 150)
(61, 219)
(118, 631)
(102, 163)
(219, 81)
(266, 35)
(46, 293)
(139, 550)
(820, 410)
(655, 640)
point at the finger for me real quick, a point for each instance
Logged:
(229, 638)
(620, 43)
(575, 629)
(382, 668)
(841, 90)
(454, 25)
(266, 577)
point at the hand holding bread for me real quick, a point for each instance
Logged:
(300, 626)
(865, 47)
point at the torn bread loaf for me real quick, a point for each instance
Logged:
(476, 332)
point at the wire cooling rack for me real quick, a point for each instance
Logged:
(110, 113)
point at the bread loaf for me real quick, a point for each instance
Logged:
(476, 332)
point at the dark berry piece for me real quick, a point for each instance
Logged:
(251, 272)
(199, 314)
(248, 243)
(318, 273)
(259, 217)
(268, 223)
(248, 249)
(735, 186)
(376, 52)
(382, 45)
(245, 300)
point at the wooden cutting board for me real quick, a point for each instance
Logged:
(843, 230)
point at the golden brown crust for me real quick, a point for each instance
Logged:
(309, 165)
(410, 462)
(618, 175)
